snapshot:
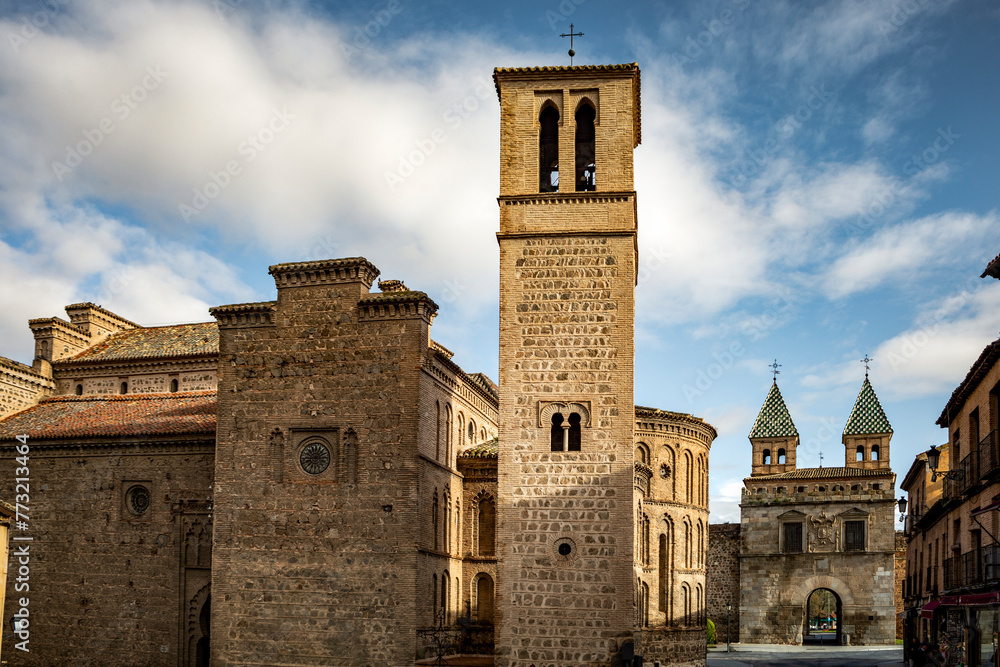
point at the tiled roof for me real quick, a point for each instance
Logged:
(182, 340)
(989, 356)
(485, 382)
(103, 416)
(993, 268)
(774, 420)
(867, 417)
(486, 450)
(824, 473)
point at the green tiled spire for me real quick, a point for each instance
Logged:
(867, 417)
(774, 420)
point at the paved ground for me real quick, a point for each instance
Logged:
(761, 655)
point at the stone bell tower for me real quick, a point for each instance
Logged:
(568, 253)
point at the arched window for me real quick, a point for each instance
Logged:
(484, 598)
(79, 390)
(860, 454)
(641, 454)
(174, 386)
(688, 477)
(585, 165)
(671, 468)
(699, 609)
(487, 526)
(766, 457)
(698, 531)
(472, 432)
(574, 432)
(548, 149)
(645, 540)
(434, 598)
(557, 432)
(686, 594)
(437, 432)
(447, 434)
(461, 428)
(687, 545)
(446, 539)
(446, 597)
(124, 388)
(874, 452)
(781, 456)
(436, 520)
(663, 580)
(644, 604)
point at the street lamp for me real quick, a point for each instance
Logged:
(933, 459)
(729, 611)
(902, 509)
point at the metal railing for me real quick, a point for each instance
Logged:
(968, 468)
(973, 568)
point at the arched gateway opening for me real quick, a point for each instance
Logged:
(823, 614)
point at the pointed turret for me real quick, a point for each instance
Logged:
(774, 436)
(868, 432)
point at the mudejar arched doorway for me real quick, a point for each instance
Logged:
(823, 614)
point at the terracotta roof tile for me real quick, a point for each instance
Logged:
(824, 473)
(989, 356)
(486, 450)
(993, 268)
(102, 416)
(182, 340)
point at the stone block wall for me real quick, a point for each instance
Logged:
(318, 567)
(107, 587)
(723, 578)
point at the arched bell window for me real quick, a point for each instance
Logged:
(586, 168)
(548, 149)
(766, 458)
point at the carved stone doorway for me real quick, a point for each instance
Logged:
(823, 614)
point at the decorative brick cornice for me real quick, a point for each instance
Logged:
(324, 272)
(397, 305)
(47, 326)
(648, 418)
(245, 315)
(559, 198)
(76, 310)
(26, 373)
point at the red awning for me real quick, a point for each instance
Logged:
(979, 599)
(988, 508)
(928, 610)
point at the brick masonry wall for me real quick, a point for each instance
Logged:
(681, 648)
(900, 563)
(107, 587)
(723, 578)
(567, 280)
(319, 569)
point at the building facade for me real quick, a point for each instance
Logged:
(817, 544)
(952, 586)
(313, 480)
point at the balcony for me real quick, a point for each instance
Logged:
(989, 456)
(969, 469)
(973, 568)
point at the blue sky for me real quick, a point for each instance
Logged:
(817, 181)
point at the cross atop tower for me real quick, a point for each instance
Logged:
(571, 35)
(774, 369)
(866, 361)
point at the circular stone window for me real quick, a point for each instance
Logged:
(566, 551)
(137, 500)
(315, 458)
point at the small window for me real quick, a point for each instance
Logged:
(821, 489)
(874, 452)
(557, 432)
(792, 541)
(137, 500)
(854, 536)
(781, 456)
(860, 454)
(780, 489)
(173, 386)
(124, 388)
(586, 169)
(801, 489)
(472, 432)
(574, 432)
(855, 487)
(766, 457)
(876, 486)
(79, 390)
